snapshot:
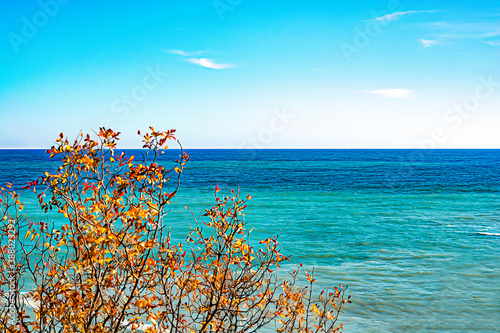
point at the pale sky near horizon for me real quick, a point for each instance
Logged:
(253, 73)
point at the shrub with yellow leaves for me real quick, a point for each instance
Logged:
(114, 268)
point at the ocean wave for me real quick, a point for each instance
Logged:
(489, 233)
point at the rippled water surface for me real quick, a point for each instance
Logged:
(414, 234)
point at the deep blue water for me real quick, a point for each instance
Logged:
(415, 234)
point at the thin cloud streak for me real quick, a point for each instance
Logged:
(397, 15)
(388, 93)
(391, 93)
(209, 63)
(184, 53)
(492, 34)
(456, 31)
(428, 42)
(493, 43)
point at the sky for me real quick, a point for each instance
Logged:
(253, 73)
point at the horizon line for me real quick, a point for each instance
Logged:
(276, 148)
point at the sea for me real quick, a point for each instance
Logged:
(413, 234)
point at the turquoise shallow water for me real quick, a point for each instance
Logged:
(415, 235)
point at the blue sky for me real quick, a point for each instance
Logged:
(252, 73)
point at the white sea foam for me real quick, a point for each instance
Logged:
(489, 233)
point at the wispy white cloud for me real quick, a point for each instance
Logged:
(208, 63)
(396, 15)
(391, 93)
(493, 43)
(468, 30)
(184, 53)
(428, 42)
(492, 34)
(203, 62)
